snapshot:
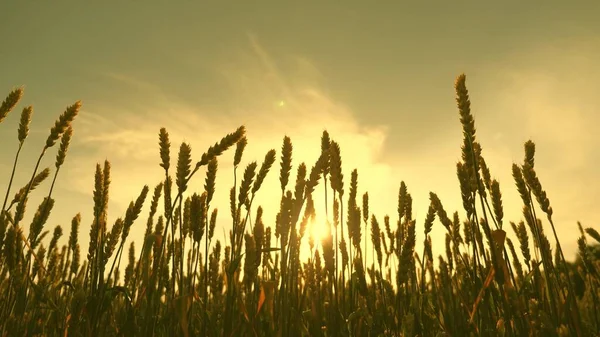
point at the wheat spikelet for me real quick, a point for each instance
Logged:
(286, 162)
(64, 146)
(24, 123)
(37, 180)
(184, 162)
(39, 220)
(226, 142)
(264, 169)
(63, 122)
(376, 238)
(209, 181)
(497, 202)
(198, 216)
(10, 102)
(165, 148)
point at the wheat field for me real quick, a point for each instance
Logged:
(364, 277)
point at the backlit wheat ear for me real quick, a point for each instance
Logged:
(113, 239)
(520, 183)
(337, 178)
(198, 216)
(376, 238)
(186, 216)
(184, 162)
(593, 233)
(529, 153)
(465, 189)
(39, 220)
(165, 148)
(325, 144)
(220, 147)
(536, 188)
(300, 186)
(64, 146)
(497, 202)
(286, 162)
(10, 102)
(24, 123)
(167, 199)
(429, 218)
(153, 207)
(133, 212)
(264, 169)
(315, 175)
(246, 183)
(466, 118)
(402, 194)
(408, 247)
(515, 258)
(212, 224)
(63, 122)
(74, 236)
(441, 213)
(344, 253)
(211, 177)
(239, 151)
(37, 180)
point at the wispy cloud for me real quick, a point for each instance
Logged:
(265, 100)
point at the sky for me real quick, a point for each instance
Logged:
(378, 76)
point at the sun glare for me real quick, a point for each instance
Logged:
(319, 230)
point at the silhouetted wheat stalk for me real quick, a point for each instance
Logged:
(187, 282)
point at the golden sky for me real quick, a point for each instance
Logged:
(379, 78)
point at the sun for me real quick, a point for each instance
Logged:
(319, 229)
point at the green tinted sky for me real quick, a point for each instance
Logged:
(378, 75)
